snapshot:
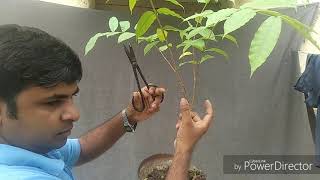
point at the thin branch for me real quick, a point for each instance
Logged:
(195, 68)
(178, 74)
(165, 58)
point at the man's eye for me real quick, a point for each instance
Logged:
(53, 103)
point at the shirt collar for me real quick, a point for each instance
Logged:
(14, 156)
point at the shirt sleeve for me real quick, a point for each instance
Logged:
(71, 152)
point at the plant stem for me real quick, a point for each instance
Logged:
(165, 58)
(195, 68)
(182, 92)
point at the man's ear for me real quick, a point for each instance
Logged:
(2, 111)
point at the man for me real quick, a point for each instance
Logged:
(39, 76)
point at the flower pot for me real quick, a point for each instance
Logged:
(156, 167)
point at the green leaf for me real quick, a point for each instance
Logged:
(162, 35)
(150, 46)
(219, 51)
(261, 47)
(195, 32)
(229, 37)
(184, 32)
(198, 43)
(270, 4)
(165, 47)
(203, 14)
(171, 28)
(187, 62)
(198, 20)
(125, 36)
(186, 47)
(219, 16)
(169, 12)
(207, 34)
(149, 39)
(185, 54)
(144, 23)
(303, 29)
(109, 34)
(203, 1)
(132, 4)
(175, 3)
(238, 19)
(92, 41)
(205, 57)
(124, 25)
(113, 24)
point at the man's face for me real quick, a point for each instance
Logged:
(45, 117)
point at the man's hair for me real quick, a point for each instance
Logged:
(31, 57)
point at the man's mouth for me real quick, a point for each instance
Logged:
(66, 131)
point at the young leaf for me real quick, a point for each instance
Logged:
(195, 32)
(187, 62)
(186, 47)
(149, 39)
(132, 4)
(124, 25)
(207, 34)
(171, 28)
(261, 47)
(203, 14)
(165, 47)
(238, 19)
(198, 43)
(219, 51)
(219, 16)
(92, 41)
(162, 35)
(150, 46)
(203, 1)
(109, 34)
(185, 54)
(125, 36)
(205, 57)
(113, 24)
(230, 38)
(169, 12)
(175, 3)
(270, 4)
(144, 23)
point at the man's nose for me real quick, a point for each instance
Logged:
(70, 112)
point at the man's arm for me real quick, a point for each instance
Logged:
(100, 139)
(190, 129)
(180, 165)
(97, 141)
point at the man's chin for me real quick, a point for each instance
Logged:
(58, 143)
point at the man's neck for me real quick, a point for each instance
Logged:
(2, 141)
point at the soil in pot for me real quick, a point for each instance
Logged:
(156, 167)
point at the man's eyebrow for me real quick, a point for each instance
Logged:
(62, 96)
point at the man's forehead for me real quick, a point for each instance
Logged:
(59, 89)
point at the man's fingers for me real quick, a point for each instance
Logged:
(207, 119)
(137, 100)
(147, 97)
(152, 90)
(159, 91)
(184, 108)
(195, 117)
(208, 107)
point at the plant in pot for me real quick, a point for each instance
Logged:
(194, 31)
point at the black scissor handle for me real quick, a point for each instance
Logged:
(143, 101)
